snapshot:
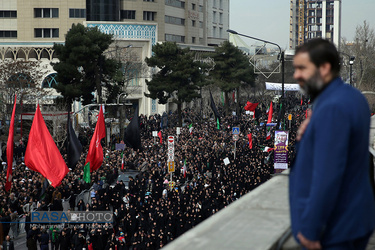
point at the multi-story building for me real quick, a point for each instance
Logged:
(28, 29)
(314, 18)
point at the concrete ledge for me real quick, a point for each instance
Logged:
(256, 221)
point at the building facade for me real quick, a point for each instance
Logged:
(28, 29)
(314, 18)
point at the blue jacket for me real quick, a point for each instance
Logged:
(331, 198)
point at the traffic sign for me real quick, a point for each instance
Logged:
(236, 130)
(170, 166)
(170, 148)
(235, 137)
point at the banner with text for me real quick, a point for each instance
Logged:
(281, 150)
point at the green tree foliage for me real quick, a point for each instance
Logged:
(82, 66)
(232, 69)
(178, 78)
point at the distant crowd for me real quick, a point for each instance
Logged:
(151, 210)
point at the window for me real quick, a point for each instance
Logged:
(50, 81)
(77, 13)
(175, 3)
(46, 33)
(221, 4)
(38, 33)
(8, 14)
(193, 23)
(200, 24)
(220, 32)
(200, 8)
(193, 39)
(46, 12)
(149, 15)
(8, 33)
(174, 20)
(55, 12)
(127, 14)
(214, 32)
(214, 17)
(193, 6)
(174, 38)
(220, 17)
(214, 4)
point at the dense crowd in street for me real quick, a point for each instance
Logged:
(150, 212)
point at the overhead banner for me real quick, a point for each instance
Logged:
(281, 150)
(278, 86)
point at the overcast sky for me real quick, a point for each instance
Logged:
(269, 19)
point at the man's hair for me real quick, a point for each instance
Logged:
(321, 51)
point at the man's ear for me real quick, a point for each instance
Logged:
(325, 71)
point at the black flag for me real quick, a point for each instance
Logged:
(132, 136)
(214, 109)
(73, 147)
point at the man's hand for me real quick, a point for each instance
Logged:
(302, 128)
(311, 245)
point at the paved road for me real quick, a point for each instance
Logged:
(20, 242)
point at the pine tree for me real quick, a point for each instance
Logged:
(179, 76)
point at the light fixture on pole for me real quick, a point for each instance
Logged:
(281, 57)
(351, 62)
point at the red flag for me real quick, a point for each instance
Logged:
(250, 140)
(251, 106)
(10, 147)
(95, 154)
(270, 113)
(42, 154)
(268, 135)
(301, 101)
(161, 137)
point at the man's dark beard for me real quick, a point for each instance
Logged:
(313, 86)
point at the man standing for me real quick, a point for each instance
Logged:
(8, 244)
(331, 200)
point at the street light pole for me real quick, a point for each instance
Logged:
(351, 62)
(281, 57)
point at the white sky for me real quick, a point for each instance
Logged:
(269, 19)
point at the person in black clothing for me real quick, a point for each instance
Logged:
(31, 238)
(44, 240)
(79, 240)
(64, 240)
(8, 244)
(97, 239)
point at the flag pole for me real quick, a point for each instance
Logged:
(171, 181)
(235, 149)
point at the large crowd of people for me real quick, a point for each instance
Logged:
(151, 210)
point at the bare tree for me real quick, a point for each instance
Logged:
(363, 49)
(363, 68)
(133, 69)
(23, 78)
